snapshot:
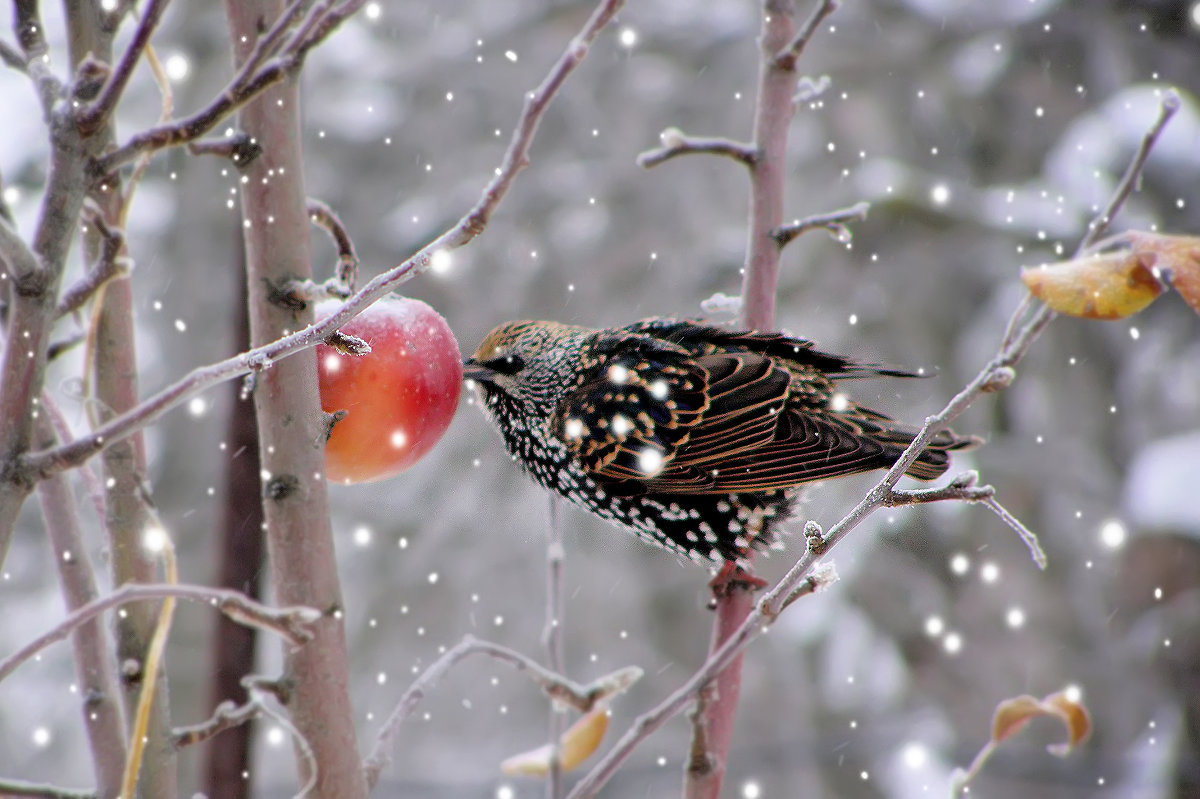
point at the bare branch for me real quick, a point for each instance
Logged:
(1016, 343)
(239, 148)
(18, 260)
(552, 635)
(227, 715)
(312, 768)
(346, 276)
(787, 57)
(21, 788)
(91, 118)
(1028, 536)
(109, 263)
(292, 623)
(559, 688)
(675, 142)
(49, 461)
(31, 36)
(12, 58)
(834, 221)
(261, 69)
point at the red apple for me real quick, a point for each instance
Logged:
(399, 398)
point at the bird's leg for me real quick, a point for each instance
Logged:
(733, 577)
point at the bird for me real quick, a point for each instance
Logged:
(695, 437)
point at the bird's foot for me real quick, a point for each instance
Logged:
(734, 577)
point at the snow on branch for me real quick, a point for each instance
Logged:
(1021, 332)
(66, 456)
(292, 623)
(675, 142)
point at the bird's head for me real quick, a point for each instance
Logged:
(528, 363)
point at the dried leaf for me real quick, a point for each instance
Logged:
(1177, 260)
(1109, 285)
(576, 745)
(1013, 714)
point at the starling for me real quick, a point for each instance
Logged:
(695, 437)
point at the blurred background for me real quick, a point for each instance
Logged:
(984, 134)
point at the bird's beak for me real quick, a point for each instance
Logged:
(473, 370)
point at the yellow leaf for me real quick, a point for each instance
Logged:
(1013, 714)
(1109, 285)
(576, 745)
(1177, 259)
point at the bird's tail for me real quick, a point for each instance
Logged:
(935, 459)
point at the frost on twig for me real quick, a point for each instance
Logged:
(675, 142)
(292, 623)
(835, 222)
(1020, 332)
(559, 688)
(465, 230)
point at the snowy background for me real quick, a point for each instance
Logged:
(984, 133)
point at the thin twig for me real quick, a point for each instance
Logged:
(53, 460)
(9, 787)
(345, 278)
(552, 636)
(226, 716)
(769, 606)
(109, 263)
(12, 58)
(91, 118)
(675, 142)
(292, 623)
(18, 259)
(559, 688)
(786, 58)
(239, 148)
(312, 768)
(834, 221)
(258, 73)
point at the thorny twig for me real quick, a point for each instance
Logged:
(1018, 338)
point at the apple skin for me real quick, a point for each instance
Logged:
(399, 398)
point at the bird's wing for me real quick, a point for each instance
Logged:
(655, 419)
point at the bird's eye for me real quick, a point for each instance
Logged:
(505, 364)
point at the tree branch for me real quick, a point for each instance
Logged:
(226, 716)
(791, 52)
(346, 274)
(1018, 338)
(552, 635)
(291, 623)
(94, 116)
(559, 688)
(263, 68)
(23, 788)
(50, 461)
(834, 221)
(109, 264)
(675, 143)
